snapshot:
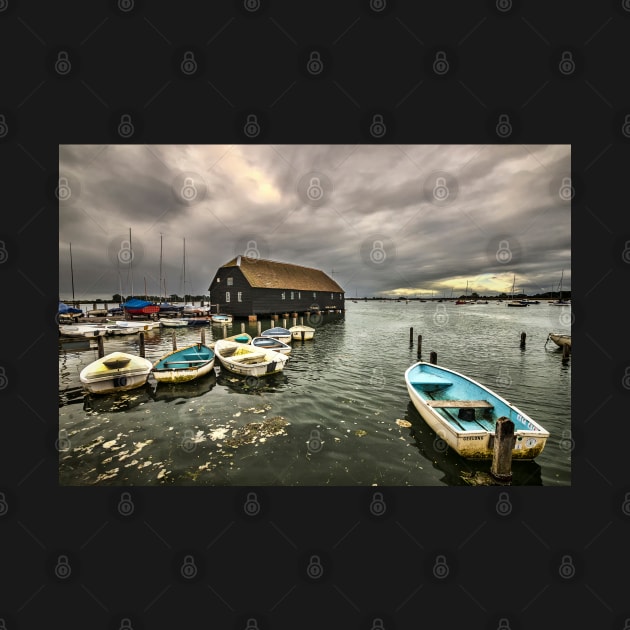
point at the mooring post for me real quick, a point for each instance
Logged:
(258, 327)
(301, 321)
(433, 358)
(101, 346)
(224, 330)
(419, 347)
(141, 344)
(284, 323)
(203, 336)
(523, 335)
(242, 327)
(295, 321)
(411, 336)
(501, 468)
(566, 351)
(174, 341)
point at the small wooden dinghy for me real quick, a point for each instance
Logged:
(560, 339)
(302, 332)
(221, 318)
(174, 323)
(247, 360)
(82, 330)
(115, 372)
(464, 413)
(184, 365)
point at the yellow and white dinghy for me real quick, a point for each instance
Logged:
(115, 372)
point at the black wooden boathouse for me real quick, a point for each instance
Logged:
(247, 286)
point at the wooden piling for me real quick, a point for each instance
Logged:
(101, 346)
(203, 336)
(258, 328)
(501, 468)
(284, 323)
(523, 336)
(419, 347)
(224, 331)
(174, 337)
(295, 321)
(301, 321)
(566, 351)
(242, 327)
(141, 344)
(411, 336)
(433, 358)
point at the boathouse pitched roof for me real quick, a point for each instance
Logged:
(270, 274)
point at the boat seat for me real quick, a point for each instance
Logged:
(426, 379)
(461, 404)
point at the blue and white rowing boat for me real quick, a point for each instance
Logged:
(184, 365)
(464, 413)
(283, 334)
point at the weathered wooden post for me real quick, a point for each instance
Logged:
(174, 341)
(242, 327)
(258, 328)
(419, 347)
(101, 346)
(501, 468)
(141, 344)
(224, 330)
(284, 323)
(301, 321)
(203, 336)
(433, 357)
(523, 335)
(295, 321)
(411, 336)
(566, 351)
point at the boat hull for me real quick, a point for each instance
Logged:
(560, 340)
(247, 360)
(173, 323)
(132, 371)
(186, 364)
(270, 343)
(282, 334)
(302, 332)
(82, 330)
(429, 388)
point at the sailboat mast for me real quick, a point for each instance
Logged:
(71, 273)
(184, 271)
(131, 261)
(160, 285)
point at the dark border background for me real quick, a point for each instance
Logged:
(558, 557)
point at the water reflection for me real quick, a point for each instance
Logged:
(196, 388)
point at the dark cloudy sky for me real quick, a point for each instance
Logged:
(380, 219)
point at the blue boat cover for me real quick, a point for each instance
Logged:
(64, 308)
(135, 303)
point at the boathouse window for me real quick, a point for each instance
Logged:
(230, 281)
(283, 295)
(227, 296)
(218, 280)
(332, 296)
(239, 296)
(291, 294)
(314, 294)
(299, 295)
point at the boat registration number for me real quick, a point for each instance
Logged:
(473, 437)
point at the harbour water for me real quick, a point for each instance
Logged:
(339, 414)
